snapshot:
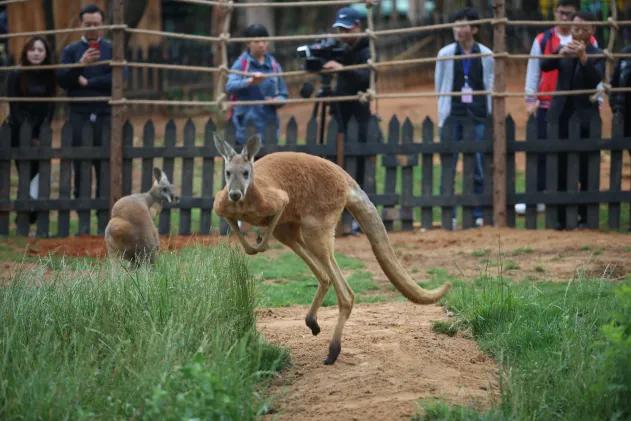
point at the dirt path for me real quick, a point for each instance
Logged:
(390, 359)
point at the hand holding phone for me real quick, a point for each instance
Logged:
(94, 44)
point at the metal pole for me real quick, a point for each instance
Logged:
(499, 118)
(116, 140)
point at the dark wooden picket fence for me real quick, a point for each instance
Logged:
(414, 165)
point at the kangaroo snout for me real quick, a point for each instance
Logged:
(235, 195)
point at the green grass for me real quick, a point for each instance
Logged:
(286, 280)
(176, 341)
(564, 349)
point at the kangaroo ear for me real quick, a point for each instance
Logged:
(224, 149)
(251, 148)
(157, 174)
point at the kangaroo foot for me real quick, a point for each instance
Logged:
(312, 323)
(334, 350)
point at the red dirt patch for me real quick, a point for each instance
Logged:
(93, 246)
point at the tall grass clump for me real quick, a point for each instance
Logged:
(564, 349)
(172, 341)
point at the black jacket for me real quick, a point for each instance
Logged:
(621, 101)
(99, 77)
(39, 84)
(351, 82)
(575, 76)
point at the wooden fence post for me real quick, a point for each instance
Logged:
(116, 142)
(499, 117)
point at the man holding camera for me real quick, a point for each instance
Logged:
(88, 81)
(350, 82)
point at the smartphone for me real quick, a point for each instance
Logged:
(93, 44)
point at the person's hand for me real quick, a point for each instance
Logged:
(531, 107)
(567, 50)
(580, 50)
(83, 81)
(332, 65)
(90, 56)
(256, 78)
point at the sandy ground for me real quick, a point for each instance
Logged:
(390, 357)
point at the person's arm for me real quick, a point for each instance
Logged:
(552, 63)
(361, 76)
(533, 75)
(13, 91)
(593, 70)
(237, 82)
(103, 82)
(281, 85)
(68, 78)
(616, 99)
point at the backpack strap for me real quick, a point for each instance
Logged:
(544, 40)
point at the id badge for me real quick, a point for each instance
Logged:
(467, 97)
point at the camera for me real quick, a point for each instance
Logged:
(318, 53)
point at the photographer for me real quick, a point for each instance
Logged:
(350, 82)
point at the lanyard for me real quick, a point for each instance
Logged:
(466, 67)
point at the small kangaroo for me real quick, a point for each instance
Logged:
(131, 233)
(300, 198)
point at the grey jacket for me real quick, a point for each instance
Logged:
(444, 78)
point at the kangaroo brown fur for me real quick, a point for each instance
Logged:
(131, 233)
(300, 198)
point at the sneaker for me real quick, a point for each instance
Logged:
(355, 229)
(454, 224)
(541, 207)
(520, 208)
(479, 222)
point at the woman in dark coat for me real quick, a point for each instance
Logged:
(31, 83)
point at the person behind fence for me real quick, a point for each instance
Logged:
(620, 102)
(350, 82)
(464, 76)
(577, 71)
(31, 83)
(258, 61)
(537, 81)
(89, 81)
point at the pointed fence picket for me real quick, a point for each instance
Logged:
(398, 173)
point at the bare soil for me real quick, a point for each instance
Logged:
(390, 359)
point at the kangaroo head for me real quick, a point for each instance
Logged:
(162, 190)
(239, 168)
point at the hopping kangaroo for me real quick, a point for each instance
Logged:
(300, 198)
(131, 233)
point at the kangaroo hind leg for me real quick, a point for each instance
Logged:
(290, 235)
(320, 244)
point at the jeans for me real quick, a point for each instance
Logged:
(78, 121)
(542, 133)
(457, 133)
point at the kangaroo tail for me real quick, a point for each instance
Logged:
(360, 206)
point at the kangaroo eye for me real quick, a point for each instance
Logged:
(164, 189)
(246, 174)
(227, 173)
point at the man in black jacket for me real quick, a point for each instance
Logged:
(351, 82)
(577, 71)
(621, 101)
(90, 81)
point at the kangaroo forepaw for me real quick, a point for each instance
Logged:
(312, 323)
(334, 350)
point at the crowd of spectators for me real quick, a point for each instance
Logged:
(575, 70)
